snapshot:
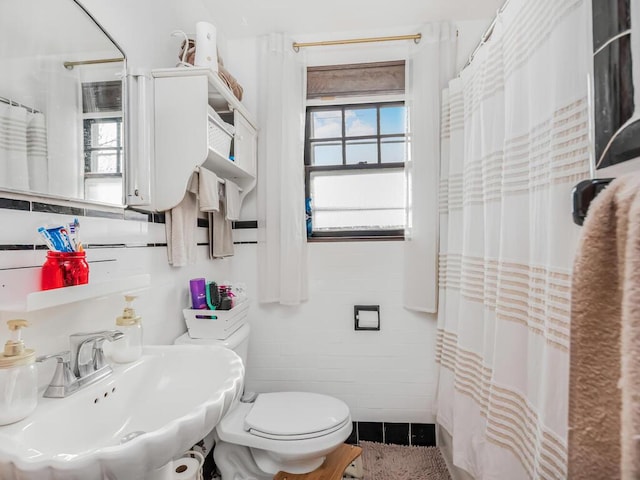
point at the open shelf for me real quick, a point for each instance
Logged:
(62, 296)
(224, 167)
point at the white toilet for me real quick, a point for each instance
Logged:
(288, 431)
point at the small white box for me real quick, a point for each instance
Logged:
(216, 324)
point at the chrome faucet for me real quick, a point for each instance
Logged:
(64, 382)
(83, 365)
(87, 356)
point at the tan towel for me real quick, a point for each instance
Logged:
(220, 231)
(223, 73)
(232, 197)
(180, 226)
(231, 82)
(208, 191)
(604, 386)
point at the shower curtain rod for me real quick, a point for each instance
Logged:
(487, 34)
(70, 65)
(17, 104)
(415, 37)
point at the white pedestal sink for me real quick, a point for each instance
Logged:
(128, 425)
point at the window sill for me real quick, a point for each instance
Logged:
(355, 238)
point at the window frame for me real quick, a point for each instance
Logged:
(377, 103)
(87, 122)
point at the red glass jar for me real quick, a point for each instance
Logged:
(63, 269)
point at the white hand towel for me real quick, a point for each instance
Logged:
(232, 195)
(208, 194)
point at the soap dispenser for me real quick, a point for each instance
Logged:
(18, 377)
(128, 348)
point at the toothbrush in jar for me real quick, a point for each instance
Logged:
(74, 229)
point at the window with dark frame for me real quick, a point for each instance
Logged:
(102, 128)
(103, 141)
(103, 147)
(354, 170)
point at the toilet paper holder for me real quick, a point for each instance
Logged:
(366, 317)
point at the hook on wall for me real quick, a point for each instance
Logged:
(583, 194)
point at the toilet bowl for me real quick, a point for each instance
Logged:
(276, 431)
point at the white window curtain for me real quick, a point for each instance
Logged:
(515, 139)
(431, 64)
(282, 246)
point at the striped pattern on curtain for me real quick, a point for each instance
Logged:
(515, 139)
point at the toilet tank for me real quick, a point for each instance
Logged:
(238, 341)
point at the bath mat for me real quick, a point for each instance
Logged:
(399, 462)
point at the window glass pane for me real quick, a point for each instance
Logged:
(108, 190)
(392, 150)
(362, 151)
(102, 97)
(104, 134)
(326, 153)
(104, 162)
(360, 121)
(326, 124)
(389, 219)
(358, 200)
(392, 120)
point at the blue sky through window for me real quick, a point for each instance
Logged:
(358, 122)
(392, 120)
(326, 124)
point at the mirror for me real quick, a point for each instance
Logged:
(61, 103)
(617, 114)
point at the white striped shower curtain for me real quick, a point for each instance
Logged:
(23, 149)
(37, 159)
(514, 142)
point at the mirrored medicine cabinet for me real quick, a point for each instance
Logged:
(62, 103)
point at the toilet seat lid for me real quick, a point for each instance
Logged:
(295, 413)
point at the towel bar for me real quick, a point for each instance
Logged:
(220, 180)
(583, 194)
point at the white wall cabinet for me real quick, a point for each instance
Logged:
(181, 100)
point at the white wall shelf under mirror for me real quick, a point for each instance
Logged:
(61, 296)
(183, 100)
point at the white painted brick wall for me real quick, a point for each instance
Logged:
(383, 376)
(388, 375)
(160, 306)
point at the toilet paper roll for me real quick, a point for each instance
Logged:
(185, 469)
(368, 319)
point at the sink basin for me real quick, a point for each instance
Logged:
(135, 421)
